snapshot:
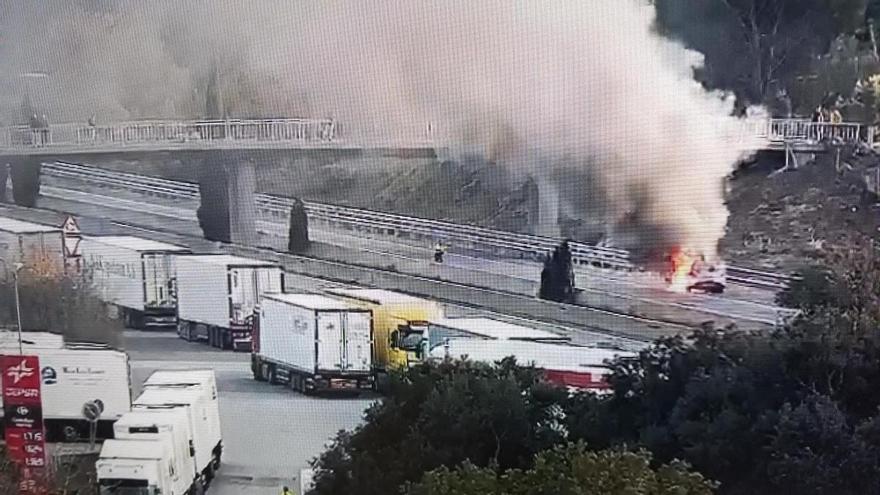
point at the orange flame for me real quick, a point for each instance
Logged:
(680, 269)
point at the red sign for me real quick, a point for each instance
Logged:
(23, 418)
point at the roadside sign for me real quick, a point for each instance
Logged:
(71, 236)
(23, 419)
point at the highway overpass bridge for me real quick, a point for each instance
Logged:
(234, 147)
(797, 135)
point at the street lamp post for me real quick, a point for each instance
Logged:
(17, 268)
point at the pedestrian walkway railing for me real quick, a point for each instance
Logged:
(758, 134)
(128, 133)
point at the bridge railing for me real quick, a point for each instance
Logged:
(767, 133)
(302, 130)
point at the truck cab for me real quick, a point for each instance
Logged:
(139, 467)
(399, 324)
(408, 345)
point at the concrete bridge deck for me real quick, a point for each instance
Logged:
(796, 135)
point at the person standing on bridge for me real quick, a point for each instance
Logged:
(835, 117)
(44, 129)
(439, 251)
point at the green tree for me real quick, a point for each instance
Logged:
(213, 211)
(758, 412)
(443, 415)
(298, 232)
(59, 304)
(756, 47)
(569, 470)
(25, 182)
(557, 276)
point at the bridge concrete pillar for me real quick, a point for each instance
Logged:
(227, 189)
(242, 185)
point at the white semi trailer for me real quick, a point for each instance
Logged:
(217, 295)
(312, 342)
(72, 375)
(574, 367)
(137, 276)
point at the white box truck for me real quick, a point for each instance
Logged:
(438, 331)
(35, 245)
(202, 409)
(73, 375)
(312, 342)
(143, 466)
(217, 295)
(168, 424)
(135, 275)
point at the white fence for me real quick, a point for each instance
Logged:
(129, 133)
(763, 133)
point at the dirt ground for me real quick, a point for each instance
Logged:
(785, 219)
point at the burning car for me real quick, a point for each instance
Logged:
(693, 273)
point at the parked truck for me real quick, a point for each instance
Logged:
(135, 275)
(72, 375)
(406, 315)
(217, 295)
(312, 343)
(151, 449)
(140, 466)
(195, 393)
(34, 245)
(419, 341)
(573, 367)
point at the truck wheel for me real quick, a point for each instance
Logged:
(209, 474)
(70, 433)
(197, 488)
(296, 383)
(257, 370)
(218, 457)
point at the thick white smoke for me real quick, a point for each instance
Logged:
(547, 88)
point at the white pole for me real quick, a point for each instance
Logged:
(17, 311)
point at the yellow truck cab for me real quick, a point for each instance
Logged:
(400, 322)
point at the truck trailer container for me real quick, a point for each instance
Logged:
(172, 424)
(574, 367)
(217, 295)
(35, 245)
(419, 340)
(392, 312)
(312, 343)
(72, 375)
(135, 275)
(199, 402)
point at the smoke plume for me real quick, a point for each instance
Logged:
(564, 91)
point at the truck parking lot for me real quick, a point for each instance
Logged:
(254, 415)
